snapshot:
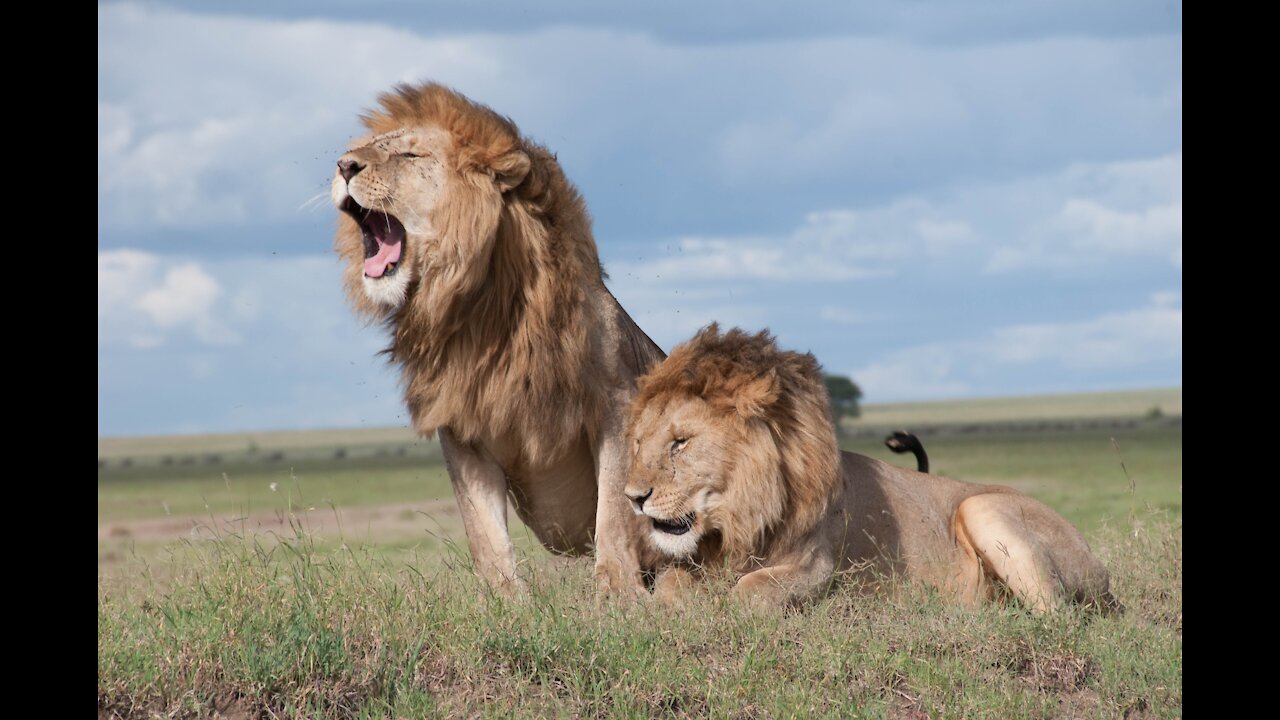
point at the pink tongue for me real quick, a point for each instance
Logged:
(387, 254)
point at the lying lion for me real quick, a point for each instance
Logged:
(735, 462)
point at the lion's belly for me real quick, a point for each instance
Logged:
(558, 503)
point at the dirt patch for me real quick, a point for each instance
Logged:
(1061, 674)
(232, 707)
(411, 517)
(224, 706)
(437, 673)
(904, 704)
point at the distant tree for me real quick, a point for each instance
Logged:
(845, 395)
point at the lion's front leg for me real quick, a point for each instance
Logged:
(616, 538)
(480, 486)
(673, 586)
(786, 584)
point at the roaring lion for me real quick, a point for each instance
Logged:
(734, 462)
(468, 242)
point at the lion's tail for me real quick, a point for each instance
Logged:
(902, 441)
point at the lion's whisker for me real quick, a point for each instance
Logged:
(313, 202)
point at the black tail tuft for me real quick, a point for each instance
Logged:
(902, 441)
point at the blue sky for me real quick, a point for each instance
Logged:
(940, 200)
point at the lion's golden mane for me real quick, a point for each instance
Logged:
(473, 339)
(745, 376)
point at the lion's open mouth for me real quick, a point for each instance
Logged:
(383, 238)
(679, 526)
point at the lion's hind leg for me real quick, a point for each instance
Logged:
(1032, 551)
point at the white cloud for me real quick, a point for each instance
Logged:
(166, 361)
(886, 109)
(1073, 220)
(828, 246)
(166, 172)
(943, 236)
(923, 372)
(196, 129)
(1102, 212)
(186, 294)
(752, 259)
(1113, 340)
(1144, 337)
(141, 305)
(120, 273)
(115, 133)
(928, 163)
(915, 99)
(207, 119)
(1153, 230)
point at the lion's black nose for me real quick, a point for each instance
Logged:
(349, 168)
(638, 498)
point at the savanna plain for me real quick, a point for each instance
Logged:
(325, 574)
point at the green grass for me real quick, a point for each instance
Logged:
(155, 492)
(294, 631)
(1076, 472)
(1079, 406)
(316, 619)
(246, 442)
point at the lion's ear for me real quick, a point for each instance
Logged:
(510, 170)
(754, 398)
